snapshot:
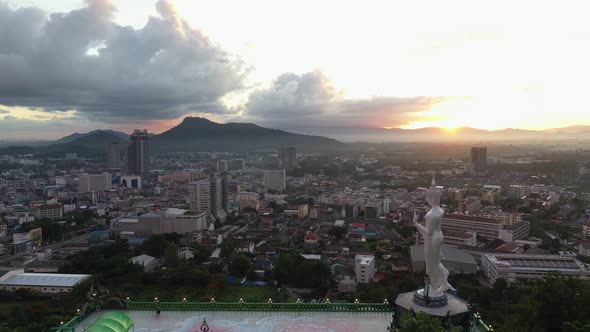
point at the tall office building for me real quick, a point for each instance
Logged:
(138, 156)
(114, 156)
(275, 180)
(479, 160)
(287, 159)
(94, 182)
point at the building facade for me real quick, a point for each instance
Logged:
(138, 153)
(275, 180)
(515, 267)
(230, 165)
(94, 182)
(364, 268)
(517, 231)
(287, 159)
(114, 156)
(200, 195)
(479, 160)
(486, 228)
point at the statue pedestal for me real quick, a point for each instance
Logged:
(444, 306)
(431, 301)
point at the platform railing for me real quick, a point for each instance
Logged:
(247, 306)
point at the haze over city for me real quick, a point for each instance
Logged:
(305, 67)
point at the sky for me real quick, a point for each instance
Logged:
(304, 66)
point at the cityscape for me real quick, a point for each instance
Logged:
(158, 203)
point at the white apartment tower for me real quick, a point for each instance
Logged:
(94, 182)
(200, 195)
(275, 180)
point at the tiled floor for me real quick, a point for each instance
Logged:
(179, 321)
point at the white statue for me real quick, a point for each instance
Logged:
(433, 240)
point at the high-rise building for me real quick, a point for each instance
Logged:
(275, 180)
(208, 195)
(217, 200)
(287, 159)
(114, 156)
(94, 182)
(138, 156)
(479, 160)
(200, 195)
(517, 191)
(230, 165)
(224, 194)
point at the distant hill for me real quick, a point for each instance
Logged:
(465, 134)
(200, 134)
(92, 144)
(77, 136)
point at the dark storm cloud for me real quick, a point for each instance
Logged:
(310, 101)
(83, 60)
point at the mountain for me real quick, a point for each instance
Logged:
(85, 145)
(200, 134)
(433, 134)
(570, 130)
(76, 136)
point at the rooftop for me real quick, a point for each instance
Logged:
(18, 278)
(538, 262)
(471, 218)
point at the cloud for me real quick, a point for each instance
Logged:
(82, 60)
(311, 101)
(4, 111)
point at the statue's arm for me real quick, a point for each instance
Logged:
(419, 226)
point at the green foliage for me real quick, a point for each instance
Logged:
(297, 271)
(154, 246)
(422, 322)
(239, 266)
(338, 232)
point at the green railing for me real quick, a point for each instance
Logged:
(69, 326)
(245, 306)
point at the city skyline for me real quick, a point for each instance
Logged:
(149, 64)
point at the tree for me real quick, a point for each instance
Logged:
(422, 322)
(154, 246)
(337, 232)
(500, 286)
(311, 274)
(239, 265)
(171, 255)
(284, 268)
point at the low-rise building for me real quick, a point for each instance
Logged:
(364, 268)
(484, 227)
(455, 260)
(515, 267)
(506, 218)
(47, 283)
(148, 262)
(518, 231)
(50, 211)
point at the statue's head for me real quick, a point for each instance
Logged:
(433, 195)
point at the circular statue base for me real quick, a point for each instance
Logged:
(432, 300)
(414, 302)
